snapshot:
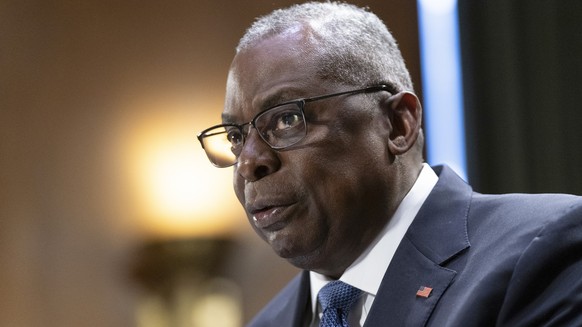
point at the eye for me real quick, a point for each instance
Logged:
(287, 120)
(281, 125)
(235, 137)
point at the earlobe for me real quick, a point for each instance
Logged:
(405, 114)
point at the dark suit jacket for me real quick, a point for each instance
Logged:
(491, 260)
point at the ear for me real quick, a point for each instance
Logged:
(405, 114)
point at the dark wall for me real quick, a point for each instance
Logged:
(522, 66)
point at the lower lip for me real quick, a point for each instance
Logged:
(271, 218)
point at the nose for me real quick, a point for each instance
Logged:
(257, 159)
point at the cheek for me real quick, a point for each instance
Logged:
(343, 181)
(327, 182)
(238, 186)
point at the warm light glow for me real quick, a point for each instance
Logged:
(174, 182)
(176, 191)
(217, 310)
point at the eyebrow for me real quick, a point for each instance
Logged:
(285, 95)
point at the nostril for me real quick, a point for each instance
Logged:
(261, 171)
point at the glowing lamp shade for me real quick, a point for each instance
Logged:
(175, 190)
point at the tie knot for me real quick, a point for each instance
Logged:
(338, 295)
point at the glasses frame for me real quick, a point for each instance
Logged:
(301, 104)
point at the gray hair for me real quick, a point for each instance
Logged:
(353, 44)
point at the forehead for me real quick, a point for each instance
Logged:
(276, 69)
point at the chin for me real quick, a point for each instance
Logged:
(311, 261)
(298, 251)
(283, 251)
(301, 262)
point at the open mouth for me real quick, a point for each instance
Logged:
(270, 217)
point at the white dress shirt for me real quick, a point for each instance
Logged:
(367, 271)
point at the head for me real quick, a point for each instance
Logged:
(321, 201)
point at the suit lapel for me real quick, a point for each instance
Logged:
(291, 308)
(300, 306)
(397, 303)
(438, 233)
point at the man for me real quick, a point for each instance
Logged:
(324, 132)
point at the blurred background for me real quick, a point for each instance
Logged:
(110, 214)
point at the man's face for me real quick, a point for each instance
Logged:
(318, 203)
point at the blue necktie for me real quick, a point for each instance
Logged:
(336, 299)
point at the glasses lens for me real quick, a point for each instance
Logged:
(222, 145)
(282, 126)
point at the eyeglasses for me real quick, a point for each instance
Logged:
(280, 127)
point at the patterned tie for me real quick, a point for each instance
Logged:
(336, 299)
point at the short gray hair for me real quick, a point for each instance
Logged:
(354, 45)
